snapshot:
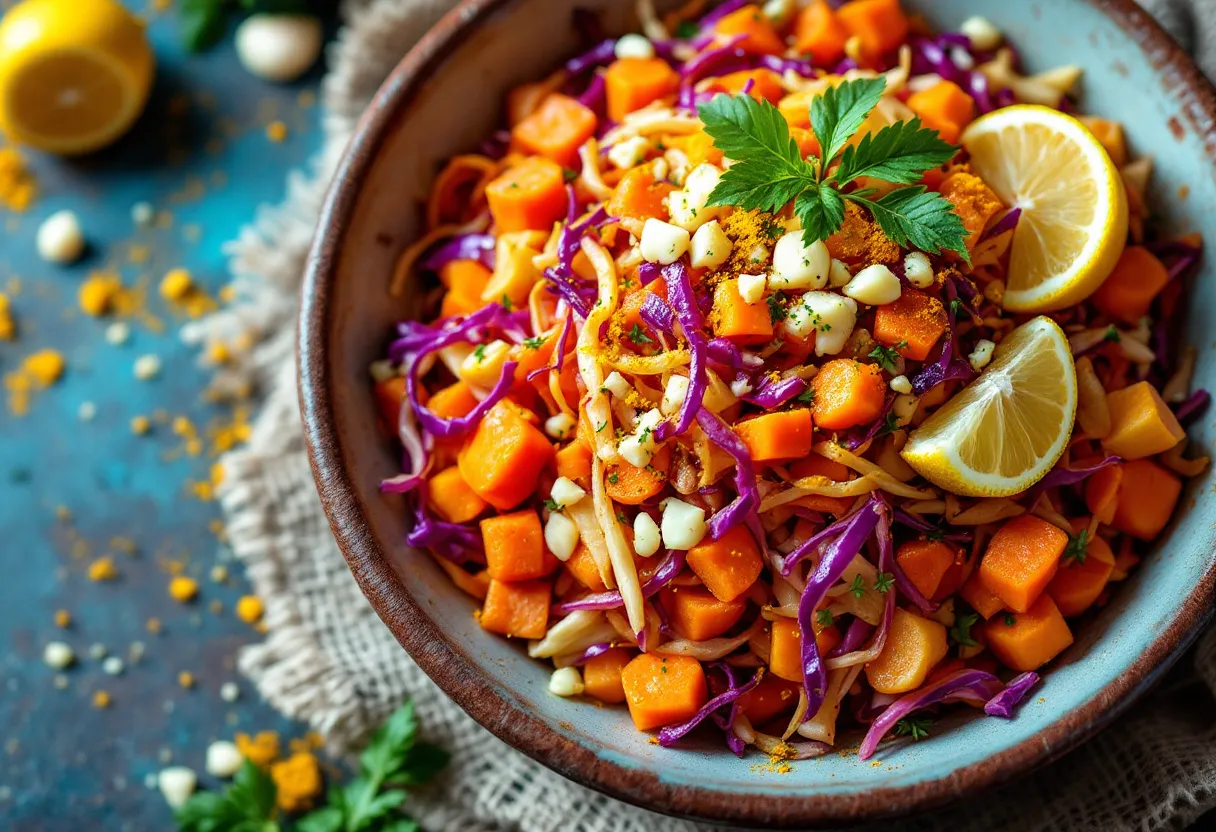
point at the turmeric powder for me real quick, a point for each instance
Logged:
(6, 319)
(298, 779)
(860, 240)
(261, 749)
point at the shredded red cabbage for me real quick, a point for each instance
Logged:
(915, 521)
(1194, 407)
(771, 394)
(479, 247)
(684, 302)
(1009, 222)
(648, 271)
(856, 437)
(672, 563)
(947, 367)
(590, 653)
(559, 350)
(727, 721)
(453, 541)
(670, 734)
(593, 98)
(965, 685)
(909, 590)
(1058, 477)
(724, 59)
(656, 313)
(1003, 703)
(744, 506)
(723, 352)
(598, 55)
(799, 66)
(854, 636)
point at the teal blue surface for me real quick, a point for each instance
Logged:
(65, 765)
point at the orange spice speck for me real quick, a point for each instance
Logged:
(101, 699)
(63, 619)
(183, 589)
(185, 679)
(250, 609)
(154, 626)
(261, 749)
(103, 569)
(276, 131)
(298, 779)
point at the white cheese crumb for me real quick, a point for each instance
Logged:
(918, 269)
(223, 759)
(663, 242)
(147, 367)
(58, 655)
(901, 384)
(673, 394)
(559, 425)
(60, 238)
(113, 666)
(981, 355)
(646, 537)
(710, 246)
(87, 411)
(561, 535)
(982, 33)
(230, 692)
(617, 385)
(633, 46)
(874, 286)
(751, 287)
(683, 524)
(628, 153)
(566, 681)
(177, 783)
(838, 274)
(799, 266)
(117, 333)
(278, 47)
(143, 214)
(566, 492)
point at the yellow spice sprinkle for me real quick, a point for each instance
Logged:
(276, 131)
(250, 609)
(44, 367)
(228, 293)
(103, 569)
(261, 750)
(101, 699)
(140, 425)
(63, 619)
(176, 284)
(186, 679)
(153, 625)
(38, 371)
(98, 293)
(18, 188)
(183, 589)
(298, 779)
(217, 351)
(6, 319)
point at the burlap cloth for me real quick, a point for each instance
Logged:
(329, 661)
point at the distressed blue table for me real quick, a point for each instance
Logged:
(69, 487)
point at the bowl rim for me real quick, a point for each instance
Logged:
(450, 666)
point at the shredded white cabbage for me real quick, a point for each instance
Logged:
(592, 536)
(882, 479)
(711, 649)
(822, 726)
(576, 632)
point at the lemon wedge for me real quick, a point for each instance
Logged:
(74, 74)
(1001, 433)
(1074, 210)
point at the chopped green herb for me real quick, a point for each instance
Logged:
(569, 175)
(534, 343)
(884, 581)
(776, 308)
(601, 426)
(553, 505)
(506, 302)
(613, 477)
(824, 618)
(961, 631)
(957, 307)
(1010, 620)
(1112, 335)
(1077, 546)
(480, 353)
(890, 424)
(886, 358)
(935, 535)
(807, 396)
(915, 727)
(637, 336)
(858, 587)
(686, 29)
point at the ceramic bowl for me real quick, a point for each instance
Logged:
(443, 98)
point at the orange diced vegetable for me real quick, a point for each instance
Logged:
(847, 393)
(880, 24)
(628, 484)
(632, 298)
(1102, 492)
(515, 547)
(696, 614)
(808, 145)
(944, 107)
(913, 324)
(783, 434)
(1148, 494)
(389, 396)
(819, 32)
(451, 497)
(452, 402)
(796, 108)
(1141, 423)
(979, 597)
(1128, 292)
(952, 581)
(914, 645)
(1021, 560)
(759, 36)
(661, 690)
(1028, 640)
(518, 609)
(585, 570)
(769, 699)
(556, 129)
(574, 463)
(602, 676)
(727, 566)
(529, 196)
(974, 202)
(465, 280)
(503, 458)
(698, 146)
(785, 649)
(925, 563)
(632, 83)
(733, 317)
(1110, 134)
(1078, 583)
(818, 465)
(638, 196)
(766, 84)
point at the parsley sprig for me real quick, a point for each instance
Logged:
(769, 172)
(394, 759)
(916, 727)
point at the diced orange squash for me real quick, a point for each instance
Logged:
(529, 196)
(632, 83)
(974, 202)
(759, 37)
(818, 465)
(503, 458)
(952, 581)
(602, 676)
(925, 563)
(1141, 423)
(819, 32)
(979, 597)
(451, 498)
(661, 690)
(808, 145)
(766, 84)
(944, 107)
(520, 610)
(913, 324)
(465, 279)
(1078, 583)
(637, 196)
(698, 146)
(880, 24)
(847, 393)
(515, 547)
(628, 484)
(784, 434)
(632, 297)
(1028, 640)
(796, 108)
(914, 645)
(1128, 293)
(1102, 492)
(734, 318)
(697, 615)
(390, 394)
(556, 129)
(785, 649)
(574, 463)
(585, 570)
(452, 402)
(727, 566)
(1021, 559)
(1147, 497)
(770, 698)
(1110, 134)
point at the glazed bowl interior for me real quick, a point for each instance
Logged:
(373, 213)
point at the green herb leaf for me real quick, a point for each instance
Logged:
(776, 309)
(824, 618)
(884, 581)
(328, 819)
(534, 343)
(916, 727)
(890, 424)
(424, 762)
(686, 29)
(858, 587)
(248, 804)
(480, 353)
(637, 336)
(913, 215)
(204, 23)
(899, 153)
(1112, 335)
(821, 211)
(807, 396)
(614, 477)
(1010, 620)
(1078, 544)
(887, 358)
(839, 112)
(553, 505)
(961, 631)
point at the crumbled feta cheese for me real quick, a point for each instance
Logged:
(982, 33)
(278, 47)
(828, 315)
(740, 387)
(58, 655)
(710, 246)
(673, 394)
(97, 651)
(223, 759)
(87, 411)
(663, 242)
(779, 11)
(688, 208)
(561, 535)
(798, 266)
(633, 46)
(230, 692)
(566, 492)
(758, 257)
(147, 367)
(617, 385)
(874, 285)
(683, 524)
(838, 274)
(142, 214)
(483, 366)
(113, 666)
(639, 447)
(751, 287)
(559, 425)
(646, 537)
(566, 681)
(630, 152)
(981, 355)
(904, 407)
(117, 333)
(918, 269)
(177, 783)
(901, 384)
(60, 238)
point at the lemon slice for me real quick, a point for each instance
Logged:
(74, 74)
(1006, 429)
(1074, 209)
